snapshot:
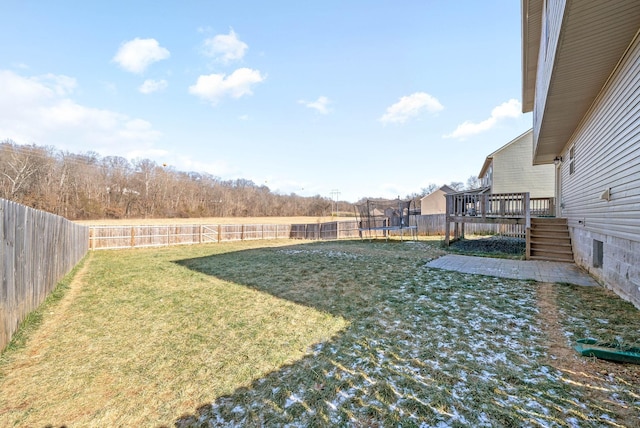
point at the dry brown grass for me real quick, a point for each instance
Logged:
(210, 220)
(140, 339)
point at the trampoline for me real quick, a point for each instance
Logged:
(380, 217)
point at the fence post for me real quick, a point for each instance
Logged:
(133, 237)
(219, 231)
(483, 206)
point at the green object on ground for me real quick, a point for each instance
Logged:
(607, 351)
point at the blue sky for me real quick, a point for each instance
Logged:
(371, 98)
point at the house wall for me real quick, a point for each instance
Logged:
(513, 170)
(606, 148)
(487, 179)
(434, 203)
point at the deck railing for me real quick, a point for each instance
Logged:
(498, 205)
(509, 208)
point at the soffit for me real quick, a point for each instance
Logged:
(594, 36)
(531, 32)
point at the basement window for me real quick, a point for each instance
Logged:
(597, 253)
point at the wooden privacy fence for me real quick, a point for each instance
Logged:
(113, 237)
(37, 250)
(435, 224)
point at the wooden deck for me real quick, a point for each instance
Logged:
(504, 208)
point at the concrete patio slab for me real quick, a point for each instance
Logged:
(515, 269)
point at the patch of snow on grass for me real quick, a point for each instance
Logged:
(441, 349)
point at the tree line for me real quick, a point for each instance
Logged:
(88, 186)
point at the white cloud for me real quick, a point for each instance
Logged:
(511, 109)
(214, 87)
(320, 105)
(225, 47)
(39, 110)
(137, 54)
(62, 85)
(410, 107)
(150, 85)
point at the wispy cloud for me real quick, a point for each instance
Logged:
(41, 110)
(511, 109)
(214, 87)
(138, 54)
(149, 86)
(225, 47)
(321, 105)
(411, 106)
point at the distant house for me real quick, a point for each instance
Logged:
(435, 202)
(581, 80)
(510, 169)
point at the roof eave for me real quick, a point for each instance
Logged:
(531, 11)
(595, 36)
(485, 166)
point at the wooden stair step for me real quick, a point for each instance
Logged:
(553, 254)
(549, 229)
(541, 245)
(551, 259)
(564, 235)
(550, 240)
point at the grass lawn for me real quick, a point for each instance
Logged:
(350, 333)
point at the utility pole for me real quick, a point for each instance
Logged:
(336, 193)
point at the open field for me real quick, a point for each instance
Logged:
(348, 333)
(211, 220)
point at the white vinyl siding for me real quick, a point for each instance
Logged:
(607, 147)
(513, 170)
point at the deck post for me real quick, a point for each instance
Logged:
(527, 211)
(447, 220)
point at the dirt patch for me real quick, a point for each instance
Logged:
(58, 313)
(598, 377)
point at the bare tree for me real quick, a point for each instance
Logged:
(431, 187)
(85, 186)
(456, 185)
(473, 183)
(19, 165)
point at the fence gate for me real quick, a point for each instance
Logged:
(210, 234)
